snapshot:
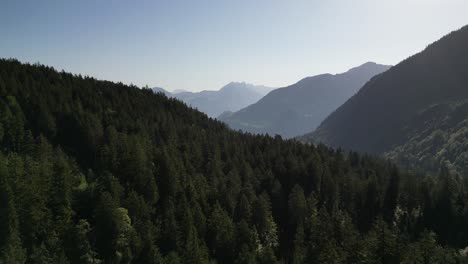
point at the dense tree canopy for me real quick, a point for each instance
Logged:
(98, 172)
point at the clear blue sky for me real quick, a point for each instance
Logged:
(204, 44)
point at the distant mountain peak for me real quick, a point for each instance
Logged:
(160, 90)
(180, 91)
(299, 108)
(235, 85)
(231, 97)
(240, 85)
(370, 65)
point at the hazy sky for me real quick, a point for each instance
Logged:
(203, 44)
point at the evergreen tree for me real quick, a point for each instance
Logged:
(99, 172)
(11, 250)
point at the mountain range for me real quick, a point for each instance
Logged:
(415, 113)
(299, 108)
(231, 97)
(93, 171)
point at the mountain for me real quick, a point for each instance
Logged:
(161, 90)
(225, 115)
(231, 97)
(176, 91)
(436, 136)
(299, 108)
(414, 111)
(99, 172)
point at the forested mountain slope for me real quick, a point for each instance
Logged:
(299, 108)
(436, 136)
(406, 109)
(99, 172)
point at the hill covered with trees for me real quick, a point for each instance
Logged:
(415, 112)
(100, 172)
(438, 135)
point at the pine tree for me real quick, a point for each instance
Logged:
(391, 196)
(299, 253)
(297, 206)
(193, 252)
(221, 233)
(11, 250)
(81, 245)
(382, 242)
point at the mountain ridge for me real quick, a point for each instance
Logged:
(231, 97)
(375, 119)
(298, 108)
(98, 172)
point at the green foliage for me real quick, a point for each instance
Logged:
(98, 172)
(11, 250)
(438, 137)
(81, 244)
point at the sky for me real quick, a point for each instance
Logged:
(204, 44)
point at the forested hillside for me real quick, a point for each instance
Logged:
(416, 110)
(100, 172)
(438, 135)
